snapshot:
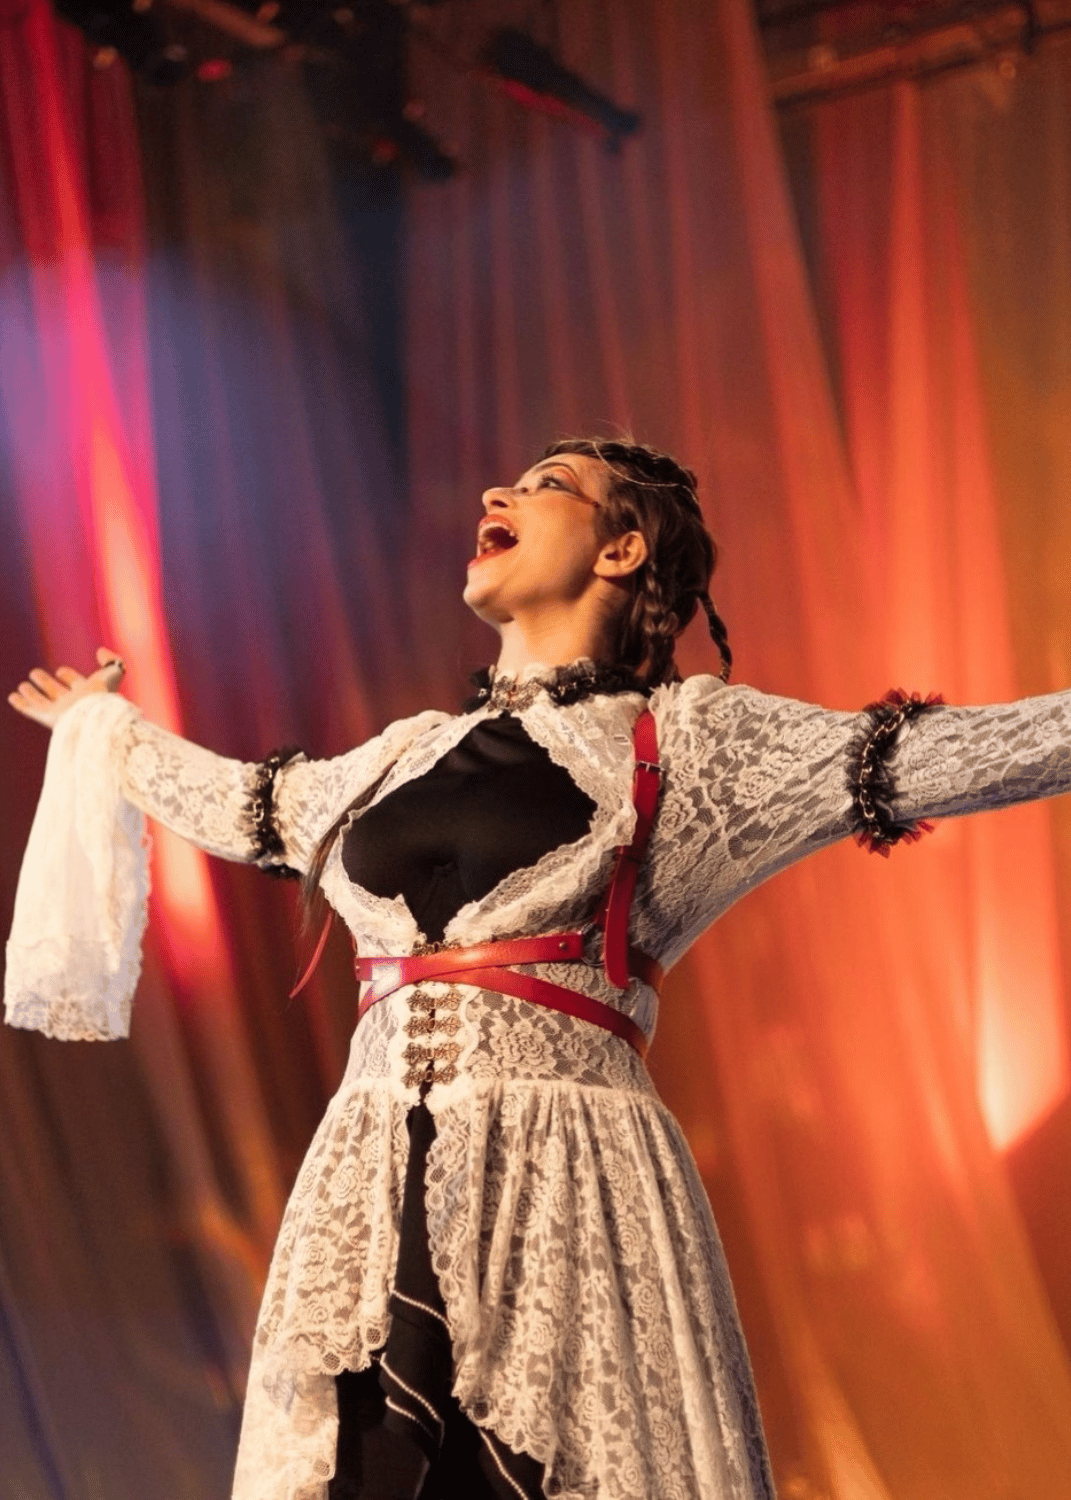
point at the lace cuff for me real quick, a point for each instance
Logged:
(74, 954)
(268, 845)
(870, 781)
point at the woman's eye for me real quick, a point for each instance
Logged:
(551, 479)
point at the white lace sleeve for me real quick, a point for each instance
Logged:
(206, 798)
(74, 953)
(755, 782)
(751, 783)
(950, 761)
(272, 812)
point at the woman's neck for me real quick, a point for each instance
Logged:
(550, 641)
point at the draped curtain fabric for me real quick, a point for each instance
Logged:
(876, 1030)
(110, 1304)
(199, 465)
(1009, 137)
(199, 460)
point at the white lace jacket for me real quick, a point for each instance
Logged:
(590, 1311)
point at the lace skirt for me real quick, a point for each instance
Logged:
(587, 1300)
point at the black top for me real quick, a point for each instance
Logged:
(493, 804)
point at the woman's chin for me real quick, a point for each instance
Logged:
(479, 595)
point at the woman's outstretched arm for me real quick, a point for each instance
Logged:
(210, 800)
(755, 782)
(74, 953)
(270, 812)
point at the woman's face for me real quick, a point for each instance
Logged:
(536, 545)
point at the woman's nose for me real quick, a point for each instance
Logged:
(497, 498)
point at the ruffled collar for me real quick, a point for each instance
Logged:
(563, 685)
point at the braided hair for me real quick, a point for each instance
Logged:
(653, 494)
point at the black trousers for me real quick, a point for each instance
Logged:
(376, 1462)
(401, 1433)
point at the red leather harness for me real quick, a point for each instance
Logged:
(491, 965)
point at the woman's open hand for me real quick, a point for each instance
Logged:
(45, 696)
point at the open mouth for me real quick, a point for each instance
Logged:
(494, 535)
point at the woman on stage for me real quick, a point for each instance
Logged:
(498, 1274)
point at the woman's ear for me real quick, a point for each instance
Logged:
(622, 556)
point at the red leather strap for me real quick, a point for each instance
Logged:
(646, 969)
(504, 982)
(389, 974)
(557, 997)
(614, 915)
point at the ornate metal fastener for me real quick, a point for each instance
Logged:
(422, 1064)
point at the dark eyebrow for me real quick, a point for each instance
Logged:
(556, 463)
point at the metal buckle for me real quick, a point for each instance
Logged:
(386, 976)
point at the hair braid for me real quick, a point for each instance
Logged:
(658, 627)
(718, 634)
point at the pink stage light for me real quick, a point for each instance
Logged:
(118, 505)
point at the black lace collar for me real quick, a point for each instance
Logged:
(562, 685)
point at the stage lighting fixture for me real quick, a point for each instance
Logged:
(534, 77)
(419, 150)
(133, 31)
(353, 57)
(395, 142)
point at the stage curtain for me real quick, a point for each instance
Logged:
(853, 1044)
(197, 457)
(118, 1317)
(198, 466)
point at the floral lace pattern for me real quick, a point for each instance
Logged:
(343, 1211)
(595, 1327)
(74, 954)
(591, 1313)
(575, 1252)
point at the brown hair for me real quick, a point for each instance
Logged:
(652, 493)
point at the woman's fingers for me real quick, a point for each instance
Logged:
(46, 695)
(36, 693)
(109, 673)
(28, 699)
(52, 687)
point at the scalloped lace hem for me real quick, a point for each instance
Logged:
(67, 989)
(592, 1320)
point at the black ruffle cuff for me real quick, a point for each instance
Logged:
(870, 780)
(268, 845)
